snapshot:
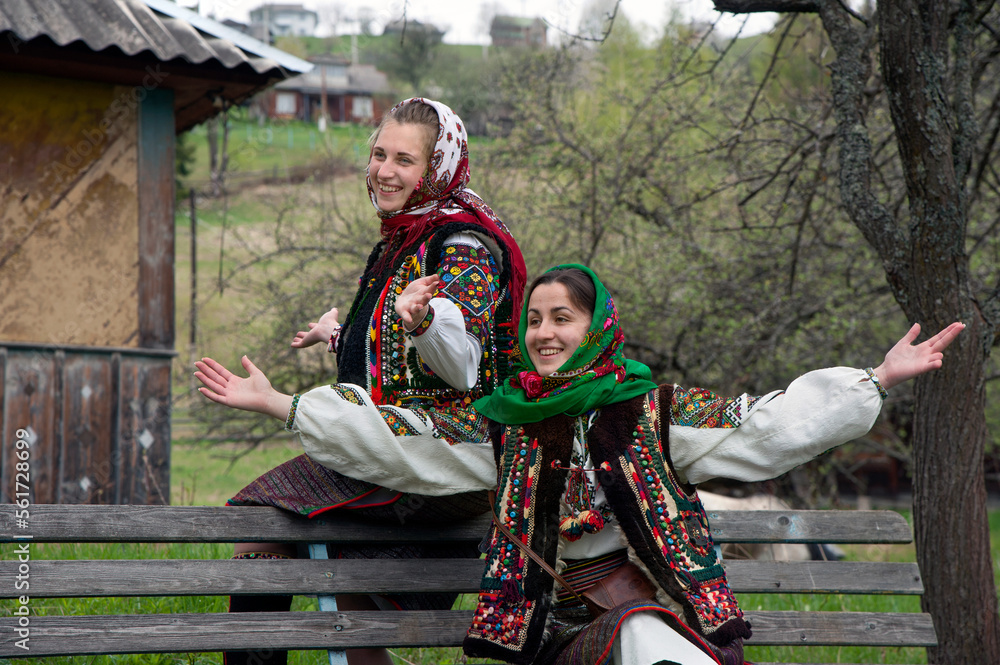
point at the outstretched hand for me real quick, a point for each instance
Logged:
(253, 393)
(319, 331)
(905, 360)
(411, 305)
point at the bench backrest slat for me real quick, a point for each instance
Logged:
(885, 629)
(317, 630)
(179, 577)
(184, 524)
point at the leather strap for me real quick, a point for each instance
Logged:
(531, 553)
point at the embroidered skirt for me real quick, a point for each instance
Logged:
(303, 486)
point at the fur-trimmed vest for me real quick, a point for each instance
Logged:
(663, 519)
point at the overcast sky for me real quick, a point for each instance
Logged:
(466, 21)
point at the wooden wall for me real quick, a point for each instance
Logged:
(69, 233)
(98, 421)
(86, 287)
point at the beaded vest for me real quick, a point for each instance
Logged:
(375, 352)
(664, 521)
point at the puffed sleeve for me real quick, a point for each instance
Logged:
(451, 342)
(755, 438)
(433, 452)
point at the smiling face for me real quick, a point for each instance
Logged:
(556, 327)
(398, 162)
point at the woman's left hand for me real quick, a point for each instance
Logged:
(411, 305)
(253, 393)
(905, 360)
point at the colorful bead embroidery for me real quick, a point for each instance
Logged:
(425, 324)
(290, 420)
(396, 421)
(468, 276)
(456, 425)
(697, 407)
(883, 393)
(681, 527)
(503, 613)
(406, 380)
(348, 393)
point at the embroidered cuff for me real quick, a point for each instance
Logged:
(874, 379)
(423, 325)
(290, 420)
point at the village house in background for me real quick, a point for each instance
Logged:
(412, 29)
(94, 95)
(282, 20)
(518, 31)
(354, 93)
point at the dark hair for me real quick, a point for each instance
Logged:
(582, 292)
(414, 113)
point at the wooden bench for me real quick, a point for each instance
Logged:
(164, 633)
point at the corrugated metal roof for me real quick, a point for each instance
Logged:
(357, 79)
(160, 27)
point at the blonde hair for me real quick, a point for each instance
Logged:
(414, 113)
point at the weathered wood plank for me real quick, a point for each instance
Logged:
(320, 630)
(32, 384)
(106, 578)
(88, 413)
(886, 629)
(53, 579)
(144, 448)
(265, 524)
(154, 633)
(809, 526)
(156, 219)
(853, 577)
(186, 524)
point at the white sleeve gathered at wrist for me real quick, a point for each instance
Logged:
(818, 411)
(341, 428)
(447, 348)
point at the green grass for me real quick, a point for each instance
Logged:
(202, 474)
(256, 147)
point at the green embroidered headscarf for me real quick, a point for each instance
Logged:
(597, 374)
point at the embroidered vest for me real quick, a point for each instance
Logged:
(664, 521)
(375, 352)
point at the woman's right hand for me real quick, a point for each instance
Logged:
(250, 393)
(906, 360)
(411, 305)
(318, 332)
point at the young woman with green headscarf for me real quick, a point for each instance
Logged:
(598, 467)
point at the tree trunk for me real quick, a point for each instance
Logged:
(927, 267)
(949, 430)
(949, 505)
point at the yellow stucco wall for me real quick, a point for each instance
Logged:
(68, 212)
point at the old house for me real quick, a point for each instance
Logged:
(283, 20)
(354, 93)
(93, 95)
(518, 31)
